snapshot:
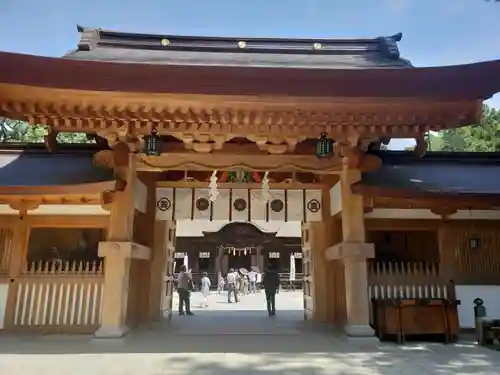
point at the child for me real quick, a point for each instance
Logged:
(205, 289)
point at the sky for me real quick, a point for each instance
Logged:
(435, 32)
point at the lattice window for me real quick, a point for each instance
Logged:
(5, 248)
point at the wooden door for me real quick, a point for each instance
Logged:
(308, 271)
(169, 270)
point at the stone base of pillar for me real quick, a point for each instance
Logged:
(354, 330)
(111, 332)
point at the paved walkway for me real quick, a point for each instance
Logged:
(285, 347)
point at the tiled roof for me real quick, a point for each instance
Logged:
(452, 173)
(40, 168)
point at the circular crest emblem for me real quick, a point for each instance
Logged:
(313, 205)
(277, 205)
(240, 204)
(202, 204)
(164, 204)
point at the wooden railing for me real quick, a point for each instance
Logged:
(57, 296)
(407, 280)
(64, 303)
(61, 267)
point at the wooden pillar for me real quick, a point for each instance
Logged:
(144, 234)
(334, 268)
(167, 293)
(318, 233)
(162, 258)
(118, 251)
(354, 252)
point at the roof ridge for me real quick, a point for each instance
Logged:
(385, 46)
(81, 29)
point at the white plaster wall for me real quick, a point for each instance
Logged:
(490, 294)
(194, 228)
(4, 291)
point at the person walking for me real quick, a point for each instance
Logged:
(184, 287)
(252, 280)
(271, 287)
(220, 283)
(243, 284)
(231, 285)
(205, 289)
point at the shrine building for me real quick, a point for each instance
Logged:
(254, 135)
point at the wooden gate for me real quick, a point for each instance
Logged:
(169, 270)
(307, 269)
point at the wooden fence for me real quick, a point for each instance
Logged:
(407, 280)
(58, 297)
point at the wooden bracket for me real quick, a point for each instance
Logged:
(23, 206)
(421, 146)
(50, 140)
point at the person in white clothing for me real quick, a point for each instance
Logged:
(232, 278)
(252, 279)
(258, 281)
(205, 289)
(220, 283)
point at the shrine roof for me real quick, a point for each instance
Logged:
(123, 47)
(33, 166)
(403, 174)
(475, 81)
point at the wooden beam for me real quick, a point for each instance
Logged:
(219, 161)
(234, 185)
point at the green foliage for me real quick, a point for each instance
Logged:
(435, 142)
(20, 131)
(484, 137)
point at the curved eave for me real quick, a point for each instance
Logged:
(91, 189)
(471, 81)
(455, 197)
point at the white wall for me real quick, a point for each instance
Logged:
(490, 294)
(194, 228)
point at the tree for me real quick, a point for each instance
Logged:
(452, 140)
(483, 137)
(20, 131)
(11, 129)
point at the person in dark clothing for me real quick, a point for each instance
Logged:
(271, 284)
(184, 287)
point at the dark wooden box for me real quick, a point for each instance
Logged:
(400, 318)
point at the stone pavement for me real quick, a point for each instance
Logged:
(285, 347)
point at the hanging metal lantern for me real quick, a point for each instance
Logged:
(152, 144)
(324, 146)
